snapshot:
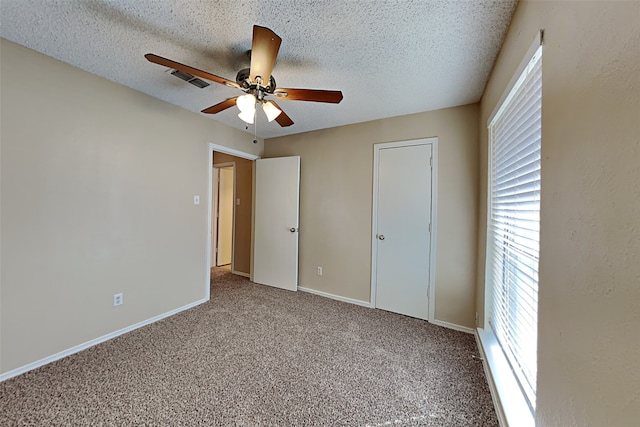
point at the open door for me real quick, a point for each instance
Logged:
(277, 190)
(225, 214)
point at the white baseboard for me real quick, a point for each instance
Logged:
(239, 273)
(368, 305)
(452, 326)
(336, 297)
(91, 343)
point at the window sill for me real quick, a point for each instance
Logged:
(510, 403)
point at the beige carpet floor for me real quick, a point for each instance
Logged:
(258, 356)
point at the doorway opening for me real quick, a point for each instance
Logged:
(242, 204)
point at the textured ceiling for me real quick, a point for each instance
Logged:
(389, 58)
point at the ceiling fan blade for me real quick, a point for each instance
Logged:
(264, 50)
(187, 69)
(314, 95)
(282, 119)
(221, 106)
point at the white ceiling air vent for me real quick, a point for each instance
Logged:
(189, 78)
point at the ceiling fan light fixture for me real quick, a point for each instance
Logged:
(247, 116)
(247, 103)
(271, 110)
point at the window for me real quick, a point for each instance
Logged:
(514, 224)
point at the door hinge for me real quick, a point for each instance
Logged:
(431, 161)
(429, 227)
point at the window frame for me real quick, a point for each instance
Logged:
(510, 399)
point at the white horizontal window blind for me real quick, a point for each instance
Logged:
(514, 224)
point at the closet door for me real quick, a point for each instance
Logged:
(402, 229)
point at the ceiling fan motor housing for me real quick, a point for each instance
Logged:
(243, 79)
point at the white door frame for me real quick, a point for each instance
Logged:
(234, 152)
(434, 209)
(215, 208)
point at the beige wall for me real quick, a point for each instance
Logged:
(336, 199)
(97, 185)
(244, 192)
(589, 301)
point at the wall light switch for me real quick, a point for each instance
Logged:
(238, 202)
(118, 299)
(196, 200)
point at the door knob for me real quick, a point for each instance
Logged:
(380, 236)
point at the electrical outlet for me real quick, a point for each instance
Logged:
(117, 299)
(477, 319)
(319, 271)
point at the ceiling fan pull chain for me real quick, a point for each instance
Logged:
(255, 126)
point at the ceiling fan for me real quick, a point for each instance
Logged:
(256, 82)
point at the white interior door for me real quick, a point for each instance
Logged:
(277, 189)
(402, 232)
(225, 216)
